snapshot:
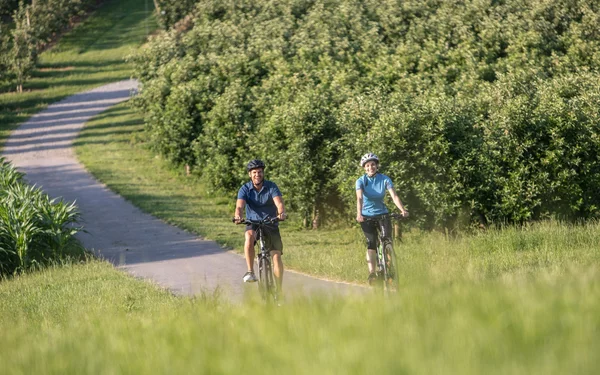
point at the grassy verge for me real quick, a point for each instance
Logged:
(89, 56)
(91, 319)
(112, 147)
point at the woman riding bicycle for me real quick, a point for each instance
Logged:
(370, 193)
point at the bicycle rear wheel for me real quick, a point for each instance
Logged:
(391, 277)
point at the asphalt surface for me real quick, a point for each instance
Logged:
(121, 233)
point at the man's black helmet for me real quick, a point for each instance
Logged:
(254, 164)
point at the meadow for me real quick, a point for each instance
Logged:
(92, 319)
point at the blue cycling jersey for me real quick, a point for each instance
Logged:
(259, 204)
(374, 189)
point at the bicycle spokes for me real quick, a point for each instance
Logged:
(266, 280)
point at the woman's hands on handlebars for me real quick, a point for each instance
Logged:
(403, 215)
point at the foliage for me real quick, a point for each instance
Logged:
(23, 55)
(7, 7)
(481, 110)
(34, 229)
(170, 12)
(36, 23)
(4, 54)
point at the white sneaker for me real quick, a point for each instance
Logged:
(249, 277)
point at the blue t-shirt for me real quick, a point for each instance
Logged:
(374, 189)
(259, 204)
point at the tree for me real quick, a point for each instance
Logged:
(23, 55)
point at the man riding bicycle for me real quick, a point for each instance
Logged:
(261, 199)
(370, 193)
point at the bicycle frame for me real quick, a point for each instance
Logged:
(266, 277)
(387, 269)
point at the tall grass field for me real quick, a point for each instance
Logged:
(450, 317)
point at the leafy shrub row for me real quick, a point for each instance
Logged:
(480, 110)
(34, 229)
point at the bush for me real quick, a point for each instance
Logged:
(170, 12)
(7, 7)
(34, 229)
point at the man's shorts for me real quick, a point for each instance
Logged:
(271, 235)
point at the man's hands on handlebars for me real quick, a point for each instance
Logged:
(268, 220)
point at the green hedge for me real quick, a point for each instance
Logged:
(34, 229)
(482, 111)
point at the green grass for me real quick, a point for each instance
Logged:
(91, 55)
(93, 319)
(112, 148)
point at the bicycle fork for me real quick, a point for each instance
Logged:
(267, 285)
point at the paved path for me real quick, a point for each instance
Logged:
(118, 231)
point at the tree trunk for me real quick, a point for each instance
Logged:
(316, 218)
(397, 231)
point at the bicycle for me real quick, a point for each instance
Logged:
(266, 278)
(387, 262)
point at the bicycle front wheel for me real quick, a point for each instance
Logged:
(265, 279)
(391, 274)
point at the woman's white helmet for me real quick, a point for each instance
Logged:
(368, 157)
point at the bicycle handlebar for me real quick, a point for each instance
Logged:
(258, 222)
(393, 215)
(397, 216)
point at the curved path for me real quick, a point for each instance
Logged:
(118, 231)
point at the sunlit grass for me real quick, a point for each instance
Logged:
(91, 55)
(90, 319)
